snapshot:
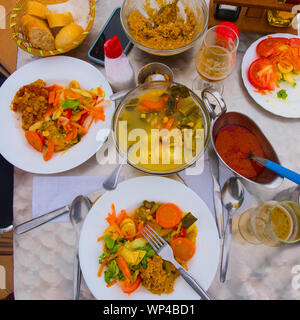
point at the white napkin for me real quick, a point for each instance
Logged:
(202, 184)
(50, 193)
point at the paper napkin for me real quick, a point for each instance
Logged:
(50, 193)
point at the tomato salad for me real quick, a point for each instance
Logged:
(279, 60)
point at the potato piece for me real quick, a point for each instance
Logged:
(112, 232)
(128, 228)
(132, 257)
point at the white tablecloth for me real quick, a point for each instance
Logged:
(43, 258)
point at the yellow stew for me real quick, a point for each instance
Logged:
(166, 127)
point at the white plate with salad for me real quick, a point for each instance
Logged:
(129, 195)
(79, 142)
(271, 74)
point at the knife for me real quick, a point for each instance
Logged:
(36, 222)
(214, 169)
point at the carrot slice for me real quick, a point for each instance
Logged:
(51, 98)
(100, 238)
(183, 248)
(101, 268)
(73, 134)
(123, 266)
(34, 140)
(47, 155)
(150, 105)
(111, 284)
(169, 123)
(122, 215)
(168, 215)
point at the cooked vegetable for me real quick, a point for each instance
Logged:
(49, 151)
(133, 257)
(183, 248)
(262, 74)
(34, 140)
(129, 260)
(59, 113)
(109, 242)
(168, 215)
(188, 220)
(123, 267)
(282, 94)
(128, 287)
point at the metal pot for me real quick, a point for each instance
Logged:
(266, 177)
(209, 112)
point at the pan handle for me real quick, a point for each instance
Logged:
(213, 101)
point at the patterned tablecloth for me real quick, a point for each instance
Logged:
(43, 258)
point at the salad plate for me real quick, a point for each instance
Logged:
(128, 196)
(59, 70)
(284, 100)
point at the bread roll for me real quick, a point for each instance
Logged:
(59, 19)
(67, 35)
(37, 9)
(37, 32)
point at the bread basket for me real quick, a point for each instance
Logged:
(22, 41)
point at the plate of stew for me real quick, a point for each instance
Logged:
(51, 112)
(118, 264)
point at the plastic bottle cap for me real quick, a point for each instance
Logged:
(113, 48)
(226, 33)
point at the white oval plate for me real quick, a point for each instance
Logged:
(129, 195)
(289, 108)
(61, 70)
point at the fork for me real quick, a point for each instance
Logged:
(163, 249)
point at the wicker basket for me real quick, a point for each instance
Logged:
(22, 41)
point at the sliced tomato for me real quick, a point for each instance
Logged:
(128, 287)
(271, 46)
(294, 42)
(262, 74)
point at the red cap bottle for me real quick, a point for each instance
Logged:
(113, 48)
(226, 33)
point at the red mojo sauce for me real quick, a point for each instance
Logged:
(234, 143)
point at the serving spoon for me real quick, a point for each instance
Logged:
(232, 198)
(277, 168)
(80, 207)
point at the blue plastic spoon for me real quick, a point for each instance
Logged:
(277, 168)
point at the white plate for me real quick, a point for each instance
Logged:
(61, 70)
(129, 195)
(289, 108)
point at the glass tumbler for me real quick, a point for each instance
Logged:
(216, 58)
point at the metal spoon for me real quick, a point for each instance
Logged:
(78, 211)
(112, 181)
(232, 197)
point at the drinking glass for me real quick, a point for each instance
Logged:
(216, 58)
(271, 223)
